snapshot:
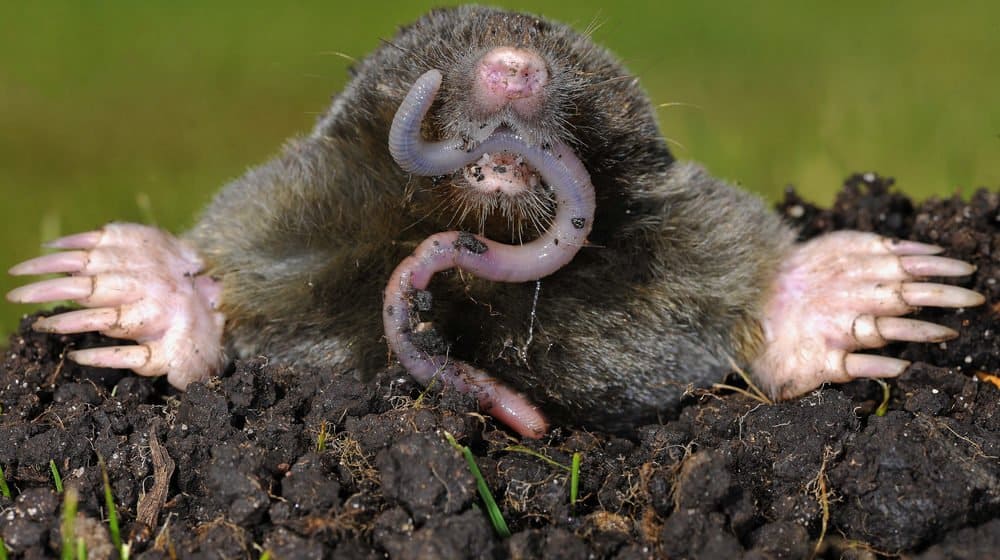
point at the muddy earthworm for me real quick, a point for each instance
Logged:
(484, 258)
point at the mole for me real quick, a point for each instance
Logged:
(490, 203)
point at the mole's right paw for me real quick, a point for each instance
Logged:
(135, 282)
(847, 291)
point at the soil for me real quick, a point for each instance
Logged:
(234, 468)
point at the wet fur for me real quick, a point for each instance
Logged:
(669, 292)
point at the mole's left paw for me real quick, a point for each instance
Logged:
(138, 283)
(846, 291)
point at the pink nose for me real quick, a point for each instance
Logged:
(508, 75)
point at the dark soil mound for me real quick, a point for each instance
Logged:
(234, 468)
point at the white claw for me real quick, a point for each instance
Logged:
(874, 332)
(867, 365)
(87, 240)
(67, 261)
(121, 357)
(912, 330)
(921, 294)
(57, 289)
(922, 265)
(904, 247)
(99, 290)
(84, 320)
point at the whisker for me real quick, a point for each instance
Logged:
(411, 53)
(624, 77)
(679, 104)
(593, 26)
(345, 56)
(675, 143)
(425, 215)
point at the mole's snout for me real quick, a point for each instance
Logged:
(509, 75)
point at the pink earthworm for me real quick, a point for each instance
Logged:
(556, 247)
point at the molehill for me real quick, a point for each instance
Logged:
(311, 463)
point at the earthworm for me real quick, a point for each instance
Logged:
(487, 259)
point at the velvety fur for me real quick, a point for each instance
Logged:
(667, 296)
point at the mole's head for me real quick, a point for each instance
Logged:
(538, 80)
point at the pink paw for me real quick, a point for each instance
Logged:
(138, 283)
(844, 292)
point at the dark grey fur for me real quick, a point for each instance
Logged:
(669, 293)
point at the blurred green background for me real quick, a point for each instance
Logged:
(139, 111)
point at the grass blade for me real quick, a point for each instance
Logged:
(537, 455)
(574, 478)
(3, 487)
(496, 517)
(886, 393)
(55, 476)
(109, 503)
(321, 437)
(68, 525)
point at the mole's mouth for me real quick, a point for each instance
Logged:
(502, 173)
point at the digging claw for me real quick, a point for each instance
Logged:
(85, 320)
(904, 247)
(86, 240)
(65, 262)
(924, 294)
(74, 287)
(119, 357)
(868, 365)
(875, 332)
(920, 265)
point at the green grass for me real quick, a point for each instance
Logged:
(321, 437)
(4, 489)
(537, 455)
(574, 479)
(56, 478)
(492, 509)
(141, 110)
(109, 504)
(573, 468)
(70, 548)
(883, 407)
